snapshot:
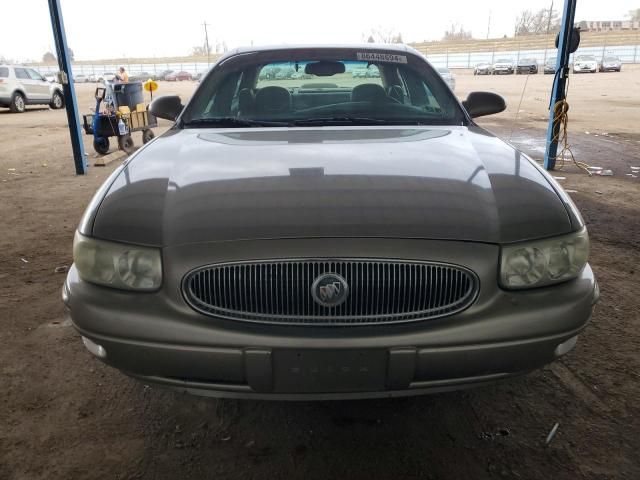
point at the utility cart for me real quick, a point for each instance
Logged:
(124, 112)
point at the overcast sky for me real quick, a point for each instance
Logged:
(149, 28)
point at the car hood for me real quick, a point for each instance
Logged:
(201, 185)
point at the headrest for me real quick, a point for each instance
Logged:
(368, 92)
(273, 99)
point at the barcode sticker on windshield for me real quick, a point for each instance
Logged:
(381, 57)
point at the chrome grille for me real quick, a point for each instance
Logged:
(380, 291)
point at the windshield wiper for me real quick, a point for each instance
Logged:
(339, 121)
(230, 122)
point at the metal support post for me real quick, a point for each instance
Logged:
(560, 81)
(71, 102)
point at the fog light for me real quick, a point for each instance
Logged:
(566, 347)
(97, 350)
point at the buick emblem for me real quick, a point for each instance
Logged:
(330, 290)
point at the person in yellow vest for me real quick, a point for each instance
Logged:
(122, 76)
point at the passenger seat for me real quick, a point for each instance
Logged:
(369, 92)
(246, 102)
(273, 100)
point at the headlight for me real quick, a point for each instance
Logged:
(117, 265)
(544, 262)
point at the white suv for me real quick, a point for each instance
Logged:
(21, 86)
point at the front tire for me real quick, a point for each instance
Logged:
(57, 101)
(125, 143)
(101, 145)
(147, 135)
(17, 103)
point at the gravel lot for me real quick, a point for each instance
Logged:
(63, 415)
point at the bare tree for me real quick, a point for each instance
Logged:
(457, 32)
(534, 23)
(385, 35)
(48, 57)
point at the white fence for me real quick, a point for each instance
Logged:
(627, 53)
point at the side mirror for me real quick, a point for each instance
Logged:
(167, 107)
(479, 104)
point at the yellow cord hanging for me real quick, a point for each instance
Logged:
(561, 118)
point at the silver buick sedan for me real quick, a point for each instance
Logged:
(328, 235)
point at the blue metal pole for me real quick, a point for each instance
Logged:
(71, 102)
(559, 82)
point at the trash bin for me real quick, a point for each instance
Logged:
(127, 94)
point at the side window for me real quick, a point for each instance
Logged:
(419, 93)
(34, 75)
(22, 74)
(4, 72)
(225, 99)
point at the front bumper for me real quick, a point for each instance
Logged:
(158, 338)
(585, 69)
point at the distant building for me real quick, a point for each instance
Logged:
(608, 25)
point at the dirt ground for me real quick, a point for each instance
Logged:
(64, 415)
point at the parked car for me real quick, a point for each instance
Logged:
(359, 73)
(21, 86)
(550, 65)
(482, 69)
(448, 77)
(611, 64)
(163, 75)
(92, 78)
(527, 65)
(180, 76)
(106, 77)
(585, 64)
(360, 248)
(503, 66)
(80, 78)
(141, 77)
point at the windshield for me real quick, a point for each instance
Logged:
(586, 58)
(503, 60)
(611, 59)
(325, 91)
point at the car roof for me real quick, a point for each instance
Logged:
(385, 47)
(393, 47)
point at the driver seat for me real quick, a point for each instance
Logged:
(272, 100)
(369, 92)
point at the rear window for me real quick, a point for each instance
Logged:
(4, 72)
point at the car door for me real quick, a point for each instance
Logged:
(40, 85)
(28, 85)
